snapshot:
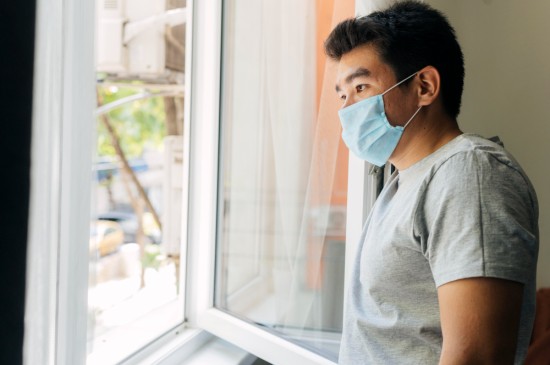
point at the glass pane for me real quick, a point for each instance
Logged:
(134, 290)
(283, 188)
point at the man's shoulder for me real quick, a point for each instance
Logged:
(476, 166)
(471, 155)
(462, 156)
(469, 146)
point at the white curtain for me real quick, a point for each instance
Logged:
(282, 233)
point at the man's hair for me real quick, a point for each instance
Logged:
(408, 36)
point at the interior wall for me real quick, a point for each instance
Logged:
(507, 88)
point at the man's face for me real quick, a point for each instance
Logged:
(362, 74)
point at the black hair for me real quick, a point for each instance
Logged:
(408, 36)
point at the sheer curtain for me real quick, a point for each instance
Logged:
(280, 260)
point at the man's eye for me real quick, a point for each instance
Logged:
(361, 87)
(343, 97)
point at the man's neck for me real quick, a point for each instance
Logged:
(424, 139)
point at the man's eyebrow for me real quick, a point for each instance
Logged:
(360, 72)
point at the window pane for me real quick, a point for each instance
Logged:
(282, 199)
(134, 290)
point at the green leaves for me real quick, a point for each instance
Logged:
(139, 124)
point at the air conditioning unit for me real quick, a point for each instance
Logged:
(140, 38)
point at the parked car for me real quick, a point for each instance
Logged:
(126, 220)
(129, 224)
(105, 237)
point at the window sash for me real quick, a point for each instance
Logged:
(64, 104)
(205, 109)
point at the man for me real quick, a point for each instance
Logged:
(445, 269)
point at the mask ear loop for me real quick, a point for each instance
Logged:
(396, 85)
(400, 82)
(414, 115)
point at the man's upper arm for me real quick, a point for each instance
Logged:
(480, 320)
(479, 233)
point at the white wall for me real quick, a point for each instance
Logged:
(507, 87)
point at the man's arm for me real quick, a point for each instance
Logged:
(480, 321)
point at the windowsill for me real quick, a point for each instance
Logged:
(189, 347)
(117, 342)
(217, 351)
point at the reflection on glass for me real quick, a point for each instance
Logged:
(134, 291)
(282, 199)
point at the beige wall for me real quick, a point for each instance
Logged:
(507, 87)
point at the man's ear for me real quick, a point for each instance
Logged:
(429, 85)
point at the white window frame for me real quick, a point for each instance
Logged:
(64, 95)
(64, 92)
(205, 116)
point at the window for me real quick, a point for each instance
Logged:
(105, 280)
(135, 289)
(280, 178)
(283, 177)
(296, 223)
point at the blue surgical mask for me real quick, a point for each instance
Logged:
(367, 131)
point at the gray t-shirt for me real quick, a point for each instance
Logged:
(466, 210)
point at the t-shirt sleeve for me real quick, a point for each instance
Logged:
(478, 218)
